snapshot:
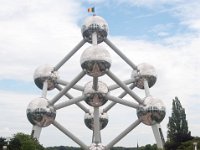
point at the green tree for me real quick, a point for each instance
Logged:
(177, 126)
(15, 144)
(189, 145)
(149, 147)
(22, 141)
(2, 142)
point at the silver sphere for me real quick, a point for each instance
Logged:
(153, 112)
(89, 119)
(94, 24)
(145, 71)
(95, 146)
(45, 73)
(95, 98)
(95, 60)
(40, 113)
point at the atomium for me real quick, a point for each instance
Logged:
(153, 112)
(94, 24)
(95, 98)
(145, 71)
(89, 119)
(40, 113)
(45, 73)
(95, 60)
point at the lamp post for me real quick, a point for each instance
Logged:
(195, 145)
(5, 147)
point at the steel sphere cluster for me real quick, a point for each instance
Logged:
(94, 24)
(40, 113)
(153, 112)
(95, 62)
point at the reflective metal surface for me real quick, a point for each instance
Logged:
(147, 72)
(94, 24)
(43, 73)
(153, 112)
(39, 113)
(95, 98)
(95, 60)
(89, 120)
(97, 147)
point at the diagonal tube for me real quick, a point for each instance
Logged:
(66, 89)
(121, 101)
(71, 97)
(69, 102)
(59, 88)
(113, 87)
(76, 87)
(122, 85)
(120, 96)
(70, 135)
(68, 56)
(109, 43)
(123, 134)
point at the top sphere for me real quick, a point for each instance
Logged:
(94, 24)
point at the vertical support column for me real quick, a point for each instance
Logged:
(95, 83)
(157, 131)
(96, 130)
(44, 89)
(95, 79)
(36, 132)
(94, 38)
(146, 88)
(195, 145)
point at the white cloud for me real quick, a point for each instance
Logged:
(150, 3)
(177, 67)
(188, 13)
(25, 38)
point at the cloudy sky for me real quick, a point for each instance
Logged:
(164, 33)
